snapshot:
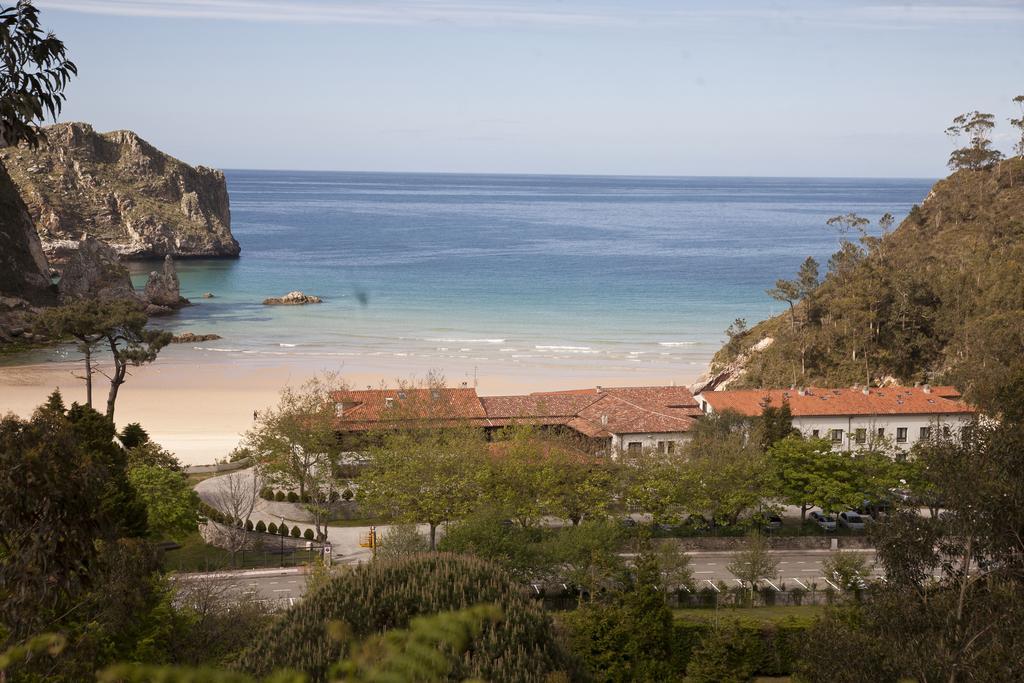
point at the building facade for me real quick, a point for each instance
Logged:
(856, 417)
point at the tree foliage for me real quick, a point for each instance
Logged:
(34, 71)
(389, 594)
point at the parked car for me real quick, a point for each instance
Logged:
(628, 522)
(826, 522)
(772, 522)
(851, 520)
(697, 523)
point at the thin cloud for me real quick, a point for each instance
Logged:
(525, 12)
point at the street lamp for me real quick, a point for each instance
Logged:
(281, 536)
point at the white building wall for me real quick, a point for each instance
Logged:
(871, 424)
(648, 442)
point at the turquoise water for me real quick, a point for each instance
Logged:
(450, 270)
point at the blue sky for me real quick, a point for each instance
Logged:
(844, 88)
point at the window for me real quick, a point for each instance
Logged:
(861, 435)
(815, 433)
(880, 433)
(901, 435)
(661, 446)
(945, 431)
(634, 446)
(837, 436)
(667, 447)
(926, 433)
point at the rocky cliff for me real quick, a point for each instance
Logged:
(24, 273)
(119, 188)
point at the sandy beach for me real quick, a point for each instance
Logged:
(199, 408)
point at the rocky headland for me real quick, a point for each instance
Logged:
(120, 189)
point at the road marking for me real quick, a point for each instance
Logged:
(272, 583)
(801, 583)
(717, 589)
(253, 584)
(801, 562)
(773, 585)
(283, 590)
(293, 582)
(739, 582)
(711, 564)
(831, 584)
(708, 572)
(812, 571)
(783, 562)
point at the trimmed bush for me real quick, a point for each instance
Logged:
(347, 495)
(308, 534)
(387, 594)
(334, 497)
(272, 528)
(279, 496)
(248, 525)
(261, 527)
(267, 493)
(293, 497)
(283, 530)
(296, 532)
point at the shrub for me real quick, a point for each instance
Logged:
(296, 532)
(248, 525)
(293, 497)
(267, 493)
(728, 654)
(309, 535)
(261, 527)
(347, 495)
(386, 595)
(334, 497)
(272, 528)
(401, 540)
(283, 529)
(279, 496)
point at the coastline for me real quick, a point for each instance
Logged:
(198, 407)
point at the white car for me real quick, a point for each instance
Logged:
(851, 520)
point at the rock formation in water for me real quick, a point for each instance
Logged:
(191, 338)
(295, 298)
(163, 288)
(94, 271)
(119, 188)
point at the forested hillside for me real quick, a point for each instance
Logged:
(939, 299)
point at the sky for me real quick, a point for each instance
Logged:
(861, 88)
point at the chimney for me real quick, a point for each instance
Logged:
(599, 388)
(465, 385)
(927, 388)
(389, 402)
(604, 420)
(866, 391)
(801, 392)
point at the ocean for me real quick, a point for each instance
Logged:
(594, 276)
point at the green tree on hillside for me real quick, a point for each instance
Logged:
(1018, 148)
(978, 155)
(34, 71)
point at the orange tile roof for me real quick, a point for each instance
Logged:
(816, 401)
(597, 413)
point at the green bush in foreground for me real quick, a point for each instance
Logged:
(385, 595)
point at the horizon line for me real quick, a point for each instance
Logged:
(580, 175)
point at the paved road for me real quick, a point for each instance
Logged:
(797, 569)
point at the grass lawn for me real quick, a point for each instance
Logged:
(195, 555)
(769, 615)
